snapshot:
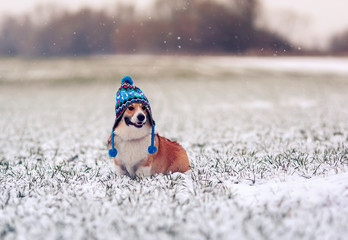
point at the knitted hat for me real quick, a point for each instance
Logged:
(126, 95)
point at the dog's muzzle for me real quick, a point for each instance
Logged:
(139, 124)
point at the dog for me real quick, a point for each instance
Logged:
(133, 131)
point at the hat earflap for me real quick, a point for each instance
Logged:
(112, 151)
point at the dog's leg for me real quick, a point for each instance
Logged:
(120, 169)
(143, 171)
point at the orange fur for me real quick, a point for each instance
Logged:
(170, 157)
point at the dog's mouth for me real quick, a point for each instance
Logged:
(130, 123)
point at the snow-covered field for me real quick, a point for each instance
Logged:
(267, 139)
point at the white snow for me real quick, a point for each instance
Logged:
(267, 144)
(318, 191)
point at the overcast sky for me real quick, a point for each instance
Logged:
(305, 22)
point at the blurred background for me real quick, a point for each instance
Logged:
(46, 28)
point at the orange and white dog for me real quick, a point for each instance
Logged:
(132, 138)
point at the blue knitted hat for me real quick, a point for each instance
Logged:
(126, 95)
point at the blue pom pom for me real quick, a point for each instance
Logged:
(152, 149)
(127, 79)
(112, 152)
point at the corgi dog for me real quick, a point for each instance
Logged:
(132, 134)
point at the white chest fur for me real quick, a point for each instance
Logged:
(132, 153)
(132, 145)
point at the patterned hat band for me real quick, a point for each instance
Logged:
(126, 95)
(120, 109)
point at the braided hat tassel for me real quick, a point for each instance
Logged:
(112, 151)
(152, 148)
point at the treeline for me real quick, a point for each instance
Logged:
(187, 26)
(339, 44)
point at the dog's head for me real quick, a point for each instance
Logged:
(136, 115)
(135, 122)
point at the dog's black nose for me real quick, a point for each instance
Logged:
(141, 117)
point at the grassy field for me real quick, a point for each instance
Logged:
(267, 139)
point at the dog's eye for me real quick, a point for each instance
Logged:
(130, 108)
(144, 108)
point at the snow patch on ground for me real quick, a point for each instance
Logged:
(318, 191)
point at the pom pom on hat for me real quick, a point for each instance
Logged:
(127, 79)
(112, 152)
(152, 149)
